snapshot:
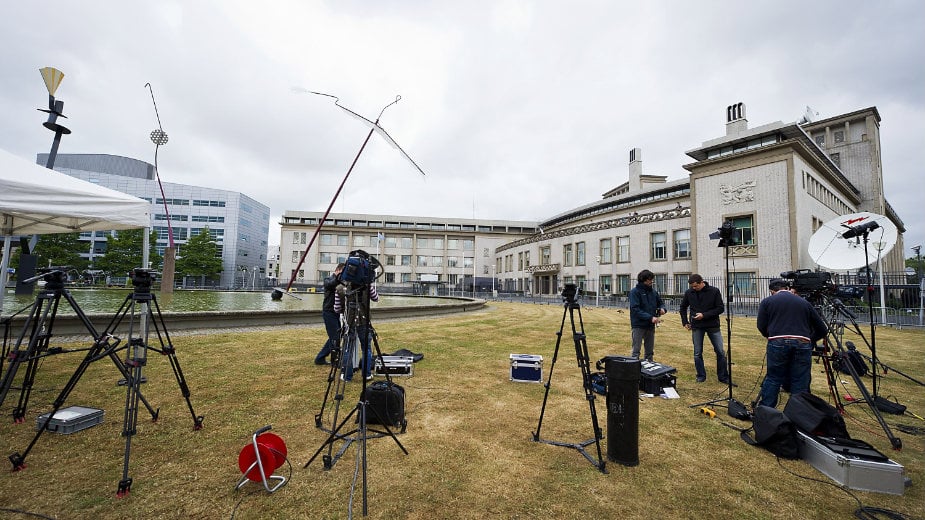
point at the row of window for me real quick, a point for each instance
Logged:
(185, 202)
(374, 241)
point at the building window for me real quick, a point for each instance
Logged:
(839, 136)
(580, 253)
(682, 243)
(545, 256)
(658, 246)
(452, 261)
(820, 140)
(389, 277)
(520, 261)
(389, 259)
(605, 284)
(342, 240)
(567, 255)
(623, 249)
(745, 230)
(606, 252)
(406, 242)
(526, 259)
(836, 158)
(680, 283)
(405, 259)
(623, 283)
(328, 239)
(468, 262)
(422, 261)
(326, 258)
(359, 240)
(661, 283)
(743, 284)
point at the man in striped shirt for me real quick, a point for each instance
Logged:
(791, 325)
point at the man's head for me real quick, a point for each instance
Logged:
(339, 268)
(645, 276)
(695, 281)
(778, 284)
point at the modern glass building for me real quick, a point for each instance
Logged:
(239, 224)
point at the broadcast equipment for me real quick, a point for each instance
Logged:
(106, 344)
(569, 296)
(727, 238)
(358, 335)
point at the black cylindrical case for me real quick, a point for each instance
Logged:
(622, 409)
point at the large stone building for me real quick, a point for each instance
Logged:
(239, 224)
(443, 253)
(777, 183)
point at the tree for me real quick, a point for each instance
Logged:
(198, 257)
(62, 249)
(123, 253)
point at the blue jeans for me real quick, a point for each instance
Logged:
(789, 364)
(716, 339)
(332, 325)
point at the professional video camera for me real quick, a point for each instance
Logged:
(141, 279)
(819, 283)
(571, 293)
(360, 268)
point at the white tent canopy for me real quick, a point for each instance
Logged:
(36, 200)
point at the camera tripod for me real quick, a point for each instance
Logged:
(833, 349)
(356, 333)
(106, 344)
(584, 363)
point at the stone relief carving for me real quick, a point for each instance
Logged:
(744, 192)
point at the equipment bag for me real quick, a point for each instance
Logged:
(854, 358)
(773, 432)
(385, 403)
(814, 416)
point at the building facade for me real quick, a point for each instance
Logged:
(776, 183)
(448, 253)
(239, 224)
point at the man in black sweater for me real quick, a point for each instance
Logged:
(330, 317)
(700, 309)
(791, 325)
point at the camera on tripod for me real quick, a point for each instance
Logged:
(807, 282)
(141, 279)
(360, 268)
(571, 293)
(53, 276)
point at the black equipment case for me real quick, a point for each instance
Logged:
(656, 376)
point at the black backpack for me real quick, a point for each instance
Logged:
(773, 432)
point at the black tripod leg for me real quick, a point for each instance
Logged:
(129, 425)
(552, 366)
(92, 354)
(38, 341)
(584, 363)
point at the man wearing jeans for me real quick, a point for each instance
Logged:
(791, 325)
(700, 309)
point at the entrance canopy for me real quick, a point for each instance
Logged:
(36, 200)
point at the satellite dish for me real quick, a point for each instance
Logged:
(829, 248)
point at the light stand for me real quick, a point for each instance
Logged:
(727, 238)
(581, 354)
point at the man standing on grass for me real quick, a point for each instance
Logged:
(700, 309)
(645, 308)
(791, 325)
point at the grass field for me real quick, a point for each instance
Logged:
(469, 435)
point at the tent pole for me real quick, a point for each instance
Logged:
(4, 264)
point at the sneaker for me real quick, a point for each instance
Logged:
(321, 362)
(701, 379)
(369, 377)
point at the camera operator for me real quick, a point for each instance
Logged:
(354, 300)
(331, 319)
(791, 325)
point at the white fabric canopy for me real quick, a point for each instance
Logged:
(36, 200)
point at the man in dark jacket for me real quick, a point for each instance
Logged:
(331, 319)
(791, 325)
(645, 308)
(700, 309)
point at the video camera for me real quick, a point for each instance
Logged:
(808, 283)
(141, 279)
(570, 293)
(359, 268)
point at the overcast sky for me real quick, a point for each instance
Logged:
(515, 109)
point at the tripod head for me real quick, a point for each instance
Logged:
(142, 280)
(571, 294)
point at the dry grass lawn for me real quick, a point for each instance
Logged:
(469, 436)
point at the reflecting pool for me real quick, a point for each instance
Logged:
(93, 301)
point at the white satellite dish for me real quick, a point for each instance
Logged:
(830, 248)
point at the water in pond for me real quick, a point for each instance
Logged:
(93, 301)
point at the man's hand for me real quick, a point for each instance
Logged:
(698, 316)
